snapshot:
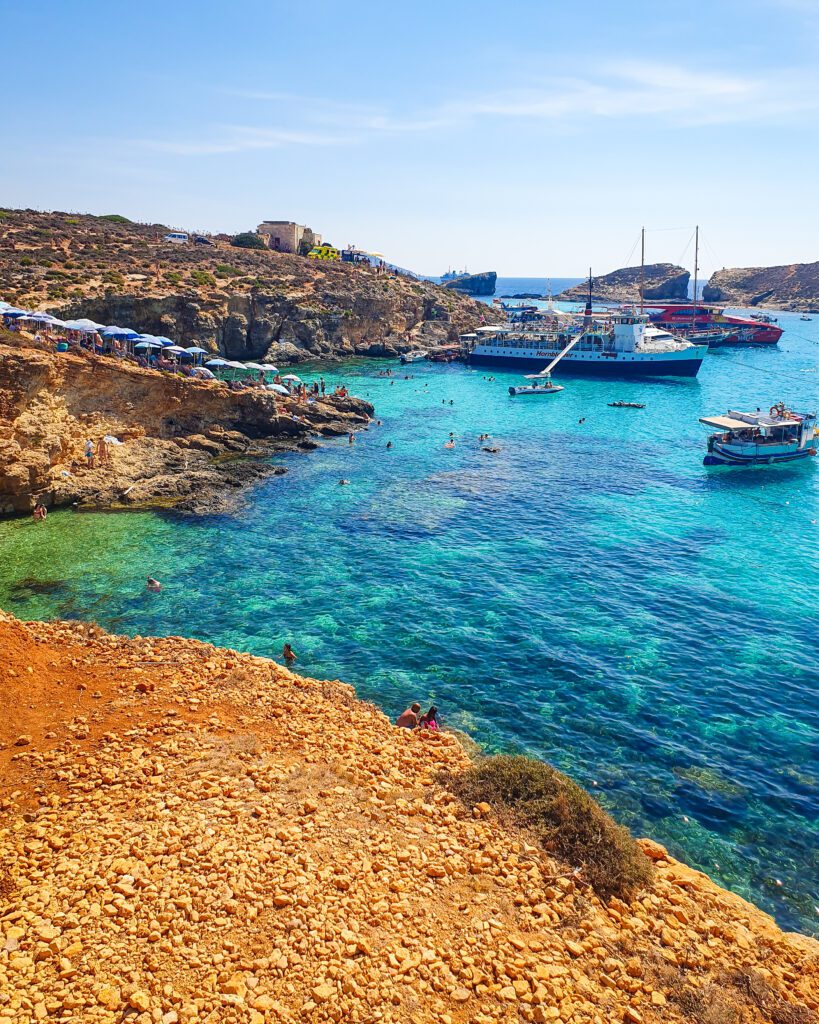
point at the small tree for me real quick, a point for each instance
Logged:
(248, 240)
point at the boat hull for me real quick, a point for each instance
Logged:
(624, 367)
(723, 457)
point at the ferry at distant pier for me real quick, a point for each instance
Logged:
(757, 438)
(616, 344)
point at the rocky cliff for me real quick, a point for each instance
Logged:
(662, 281)
(176, 432)
(795, 286)
(248, 304)
(192, 834)
(474, 284)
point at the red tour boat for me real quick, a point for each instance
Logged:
(685, 318)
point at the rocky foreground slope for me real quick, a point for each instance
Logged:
(185, 444)
(662, 281)
(192, 834)
(245, 303)
(795, 286)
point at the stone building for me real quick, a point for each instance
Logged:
(287, 236)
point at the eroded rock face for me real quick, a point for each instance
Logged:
(662, 281)
(243, 303)
(172, 429)
(474, 284)
(794, 286)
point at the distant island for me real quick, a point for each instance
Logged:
(660, 281)
(474, 284)
(793, 286)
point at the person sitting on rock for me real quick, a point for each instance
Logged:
(409, 719)
(430, 719)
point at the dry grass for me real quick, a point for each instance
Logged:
(567, 820)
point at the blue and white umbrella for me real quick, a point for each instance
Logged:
(119, 332)
(279, 389)
(217, 362)
(196, 351)
(14, 313)
(176, 350)
(147, 344)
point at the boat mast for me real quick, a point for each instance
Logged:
(696, 268)
(642, 268)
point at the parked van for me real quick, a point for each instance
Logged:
(180, 237)
(324, 252)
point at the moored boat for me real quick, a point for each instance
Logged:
(548, 388)
(410, 357)
(757, 438)
(689, 318)
(627, 405)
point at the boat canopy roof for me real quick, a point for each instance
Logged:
(492, 329)
(731, 423)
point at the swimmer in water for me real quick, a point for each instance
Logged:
(153, 584)
(342, 482)
(389, 444)
(288, 654)
(449, 444)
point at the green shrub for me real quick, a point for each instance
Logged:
(116, 218)
(56, 273)
(202, 278)
(248, 240)
(567, 820)
(72, 220)
(173, 276)
(26, 261)
(226, 270)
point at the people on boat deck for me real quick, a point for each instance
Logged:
(288, 654)
(409, 719)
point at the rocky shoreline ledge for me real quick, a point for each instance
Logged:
(193, 834)
(188, 445)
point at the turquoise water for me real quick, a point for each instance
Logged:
(591, 594)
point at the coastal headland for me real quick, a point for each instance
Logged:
(660, 281)
(246, 304)
(185, 444)
(196, 834)
(793, 286)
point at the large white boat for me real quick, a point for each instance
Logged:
(757, 438)
(618, 344)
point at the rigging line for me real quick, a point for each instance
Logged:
(685, 250)
(625, 262)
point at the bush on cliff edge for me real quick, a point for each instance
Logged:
(567, 820)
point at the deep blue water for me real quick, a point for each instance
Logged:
(591, 594)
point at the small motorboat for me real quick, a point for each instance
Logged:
(805, 317)
(627, 405)
(536, 389)
(543, 384)
(758, 438)
(410, 357)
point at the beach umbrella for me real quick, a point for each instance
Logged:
(196, 351)
(57, 323)
(280, 389)
(176, 349)
(202, 373)
(268, 368)
(256, 366)
(118, 332)
(292, 376)
(83, 323)
(14, 313)
(147, 344)
(217, 362)
(40, 318)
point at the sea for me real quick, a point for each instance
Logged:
(590, 594)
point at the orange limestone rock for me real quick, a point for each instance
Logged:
(224, 845)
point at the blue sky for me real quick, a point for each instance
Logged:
(533, 138)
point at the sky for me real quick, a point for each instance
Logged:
(533, 138)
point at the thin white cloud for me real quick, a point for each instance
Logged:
(628, 91)
(241, 139)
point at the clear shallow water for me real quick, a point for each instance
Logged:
(591, 594)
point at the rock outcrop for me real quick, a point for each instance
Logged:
(192, 834)
(474, 284)
(661, 281)
(187, 444)
(795, 286)
(246, 304)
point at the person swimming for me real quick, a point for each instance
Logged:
(449, 444)
(152, 584)
(343, 482)
(288, 654)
